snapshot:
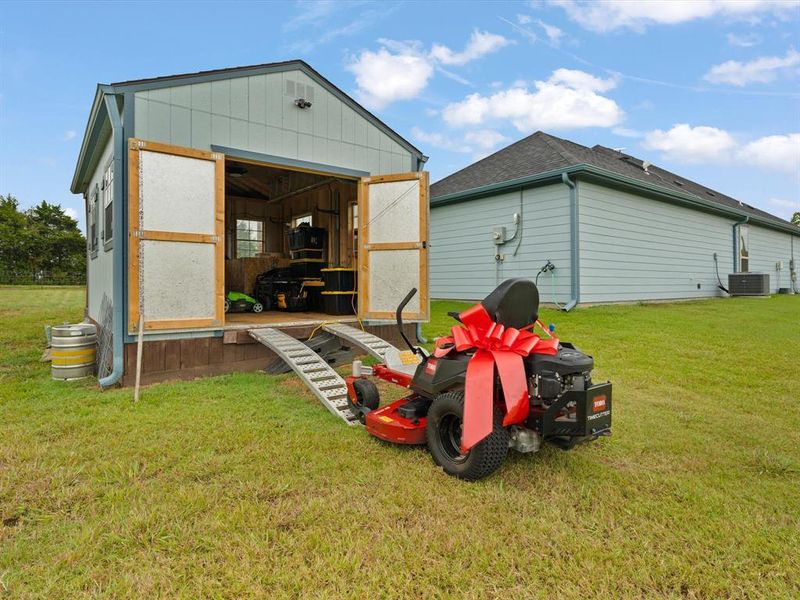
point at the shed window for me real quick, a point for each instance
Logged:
(93, 218)
(249, 238)
(744, 249)
(108, 200)
(302, 219)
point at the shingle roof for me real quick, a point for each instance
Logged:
(541, 152)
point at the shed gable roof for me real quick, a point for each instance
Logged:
(542, 152)
(135, 85)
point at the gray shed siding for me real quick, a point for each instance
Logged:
(462, 263)
(256, 114)
(767, 248)
(636, 248)
(99, 270)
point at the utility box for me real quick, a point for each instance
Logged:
(499, 235)
(748, 284)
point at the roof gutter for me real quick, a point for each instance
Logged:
(574, 245)
(606, 176)
(117, 281)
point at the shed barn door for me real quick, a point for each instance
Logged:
(393, 245)
(176, 226)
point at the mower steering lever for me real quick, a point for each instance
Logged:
(399, 317)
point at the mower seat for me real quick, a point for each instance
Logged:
(513, 303)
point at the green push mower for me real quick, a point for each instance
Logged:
(241, 302)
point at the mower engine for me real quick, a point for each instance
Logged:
(566, 408)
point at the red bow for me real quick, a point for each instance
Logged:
(500, 346)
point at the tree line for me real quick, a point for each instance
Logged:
(40, 244)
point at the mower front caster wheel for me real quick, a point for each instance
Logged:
(443, 434)
(367, 399)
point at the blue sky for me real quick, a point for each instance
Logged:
(707, 88)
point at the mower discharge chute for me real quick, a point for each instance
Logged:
(490, 386)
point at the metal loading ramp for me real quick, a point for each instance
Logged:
(318, 375)
(371, 344)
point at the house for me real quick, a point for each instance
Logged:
(192, 184)
(614, 227)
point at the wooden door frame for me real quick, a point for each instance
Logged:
(136, 234)
(365, 247)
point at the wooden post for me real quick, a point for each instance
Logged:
(138, 359)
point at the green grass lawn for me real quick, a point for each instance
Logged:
(244, 486)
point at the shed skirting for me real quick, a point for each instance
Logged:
(191, 358)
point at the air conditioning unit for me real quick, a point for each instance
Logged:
(748, 284)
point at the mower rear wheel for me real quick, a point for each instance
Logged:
(258, 307)
(367, 397)
(443, 434)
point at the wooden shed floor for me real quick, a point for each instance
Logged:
(276, 318)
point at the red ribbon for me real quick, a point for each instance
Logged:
(496, 346)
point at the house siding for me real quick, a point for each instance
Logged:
(767, 248)
(636, 248)
(99, 270)
(462, 254)
(255, 114)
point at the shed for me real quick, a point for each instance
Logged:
(192, 184)
(614, 227)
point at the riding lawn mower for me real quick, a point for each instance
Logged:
(491, 385)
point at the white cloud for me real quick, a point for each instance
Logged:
(552, 32)
(69, 134)
(702, 144)
(480, 44)
(774, 152)
(485, 139)
(313, 13)
(524, 19)
(569, 99)
(384, 77)
(685, 143)
(783, 207)
(438, 140)
(747, 40)
(71, 212)
(479, 141)
(401, 69)
(759, 70)
(626, 132)
(608, 15)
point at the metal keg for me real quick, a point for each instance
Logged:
(74, 349)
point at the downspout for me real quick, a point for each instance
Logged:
(736, 225)
(117, 324)
(574, 262)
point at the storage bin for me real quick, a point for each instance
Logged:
(340, 303)
(314, 288)
(339, 279)
(305, 253)
(307, 267)
(306, 237)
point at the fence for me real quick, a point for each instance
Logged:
(41, 278)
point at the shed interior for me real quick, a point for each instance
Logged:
(263, 205)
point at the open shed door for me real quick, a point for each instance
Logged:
(176, 246)
(393, 246)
